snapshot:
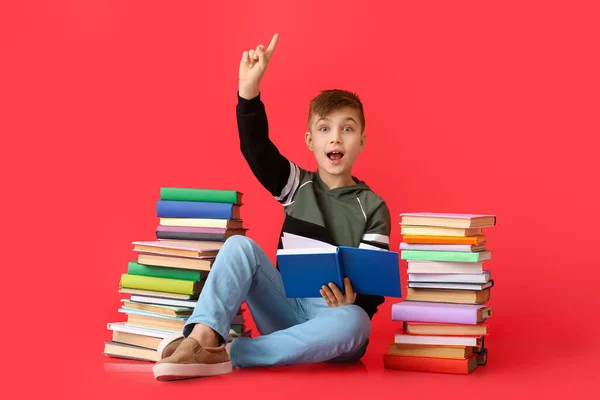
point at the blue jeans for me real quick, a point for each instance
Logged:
(293, 330)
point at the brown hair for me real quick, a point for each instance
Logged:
(335, 99)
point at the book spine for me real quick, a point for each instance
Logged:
(135, 268)
(210, 237)
(440, 256)
(470, 240)
(199, 195)
(158, 284)
(436, 247)
(426, 364)
(222, 231)
(339, 263)
(195, 222)
(406, 312)
(190, 209)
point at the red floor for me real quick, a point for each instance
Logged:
(540, 371)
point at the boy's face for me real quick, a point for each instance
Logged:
(335, 140)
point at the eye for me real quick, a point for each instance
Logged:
(347, 129)
(323, 129)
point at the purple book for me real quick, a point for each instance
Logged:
(444, 313)
(191, 229)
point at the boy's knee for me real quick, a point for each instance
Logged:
(237, 240)
(238, 243)
(237, 248)
(357, 324)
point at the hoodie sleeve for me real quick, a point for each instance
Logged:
(377, 232)
(276, 173)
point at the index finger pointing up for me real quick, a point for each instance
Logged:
(273, 43)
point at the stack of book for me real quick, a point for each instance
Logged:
(199, 215)
(165, 280)
(444, 314)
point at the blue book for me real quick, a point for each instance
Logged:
(196, 209)
(305, 271)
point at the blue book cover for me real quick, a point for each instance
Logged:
(195, 209)
(304, 271)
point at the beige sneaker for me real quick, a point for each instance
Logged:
(169, 344)
(190, 360)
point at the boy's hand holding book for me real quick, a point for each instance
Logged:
(326, 271)
(335, 298)
(252, 68)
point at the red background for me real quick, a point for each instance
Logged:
(470, 107)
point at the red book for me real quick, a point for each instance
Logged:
(427, 364)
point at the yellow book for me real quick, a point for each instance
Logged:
(160, 284)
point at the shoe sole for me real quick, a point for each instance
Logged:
(173, 372)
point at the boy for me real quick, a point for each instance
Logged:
(329, 205)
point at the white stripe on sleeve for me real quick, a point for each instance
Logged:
(292, 182)
(376, 237)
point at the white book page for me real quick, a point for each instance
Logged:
(291, 241)
(307, 251)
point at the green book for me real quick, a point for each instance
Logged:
(135, 268)
(455, 256)
(202, 195)
(160, 284)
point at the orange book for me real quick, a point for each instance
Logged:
(426, 364)
(477, 240)
(441, 329)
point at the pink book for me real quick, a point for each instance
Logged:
(420, 311)
(190, 229)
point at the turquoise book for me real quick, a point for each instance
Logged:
(452, 256)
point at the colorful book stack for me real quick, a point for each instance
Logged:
(444, 314)
(199, 215)
(165, 280)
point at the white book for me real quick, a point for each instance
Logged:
(445, 267)
(442, 247)
(483, 277)
(456, 286)
(163, 301)
(437, 340)
(136, 330)
(128, 311)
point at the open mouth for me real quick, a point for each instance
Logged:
(335, 156)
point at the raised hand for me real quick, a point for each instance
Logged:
(253, 66)
(335, 298)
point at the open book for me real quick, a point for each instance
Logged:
(306, 265)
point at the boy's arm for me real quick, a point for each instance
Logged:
(278, 175)
(377, 231)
